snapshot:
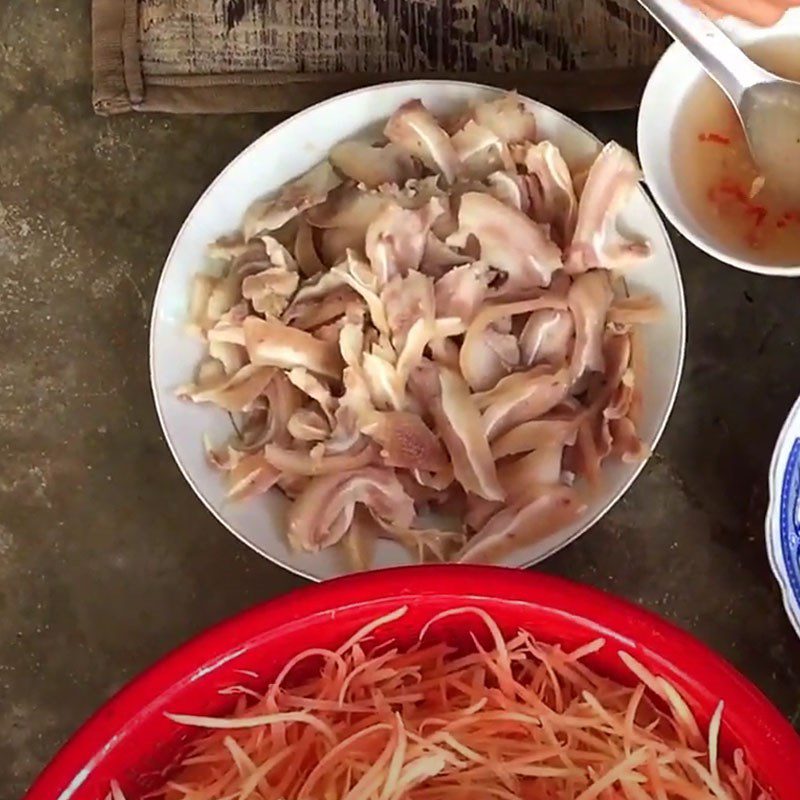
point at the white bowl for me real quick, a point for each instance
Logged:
(783, 515)
(281, 154)
(671, 83)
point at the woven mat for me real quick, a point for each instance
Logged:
(280, 55)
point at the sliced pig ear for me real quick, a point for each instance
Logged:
(344, 220)
(351, 344)
(508, 118)
(407, 300)
(313, 387)
(618, 356)
(622, 400)
(308, 425)
(271, 343)
(611, 397)
(552, 196)
(416, 130)
(382, 379)
(269, 291)
(639, 309)
(418, 193)
(490, 357)
(509, 241)
(414, 193)
(357, 274)
(516, 526)
(277, 254)
(479, 511)
(589, 299)
(315, 519)
(424, 332)
(480, 151)
(361, 539)
(535, 434)
(222, 458)
(305, 250)
(521, 397)
(524, 478)
(438, 259)
(295, 197)
(459, 423)
(426, 544)
(410, 328)
(472, 352)
(510, 188)
(232, 356)
(283, 399)
(626, 443)
(326, 311)
(374, 165)
(461, 292)
(315, 462)
(251, 476)
(349, 207)
(597, 242)
(235, 393)
(396, 239)
(317, 287)
(407, 442)
(224, 293)
(228, 248)
(202, 287)
(547, 337)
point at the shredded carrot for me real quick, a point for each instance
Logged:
(510, 718)
(116, 792)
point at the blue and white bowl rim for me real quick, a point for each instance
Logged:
(783, 515)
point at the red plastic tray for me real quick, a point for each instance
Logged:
(130, 740)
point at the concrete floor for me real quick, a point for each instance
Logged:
(107, 560)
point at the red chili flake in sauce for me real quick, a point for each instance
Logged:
(760, 213)
(786, 218)
(715, 138)
(727, 186)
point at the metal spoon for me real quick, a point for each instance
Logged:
(768, 106)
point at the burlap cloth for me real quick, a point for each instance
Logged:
(268, 55)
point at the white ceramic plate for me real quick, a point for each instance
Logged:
(283, 153)
(671, 83)
(783, 515)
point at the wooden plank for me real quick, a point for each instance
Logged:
(212, 37)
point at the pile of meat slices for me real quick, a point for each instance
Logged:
(428, 324)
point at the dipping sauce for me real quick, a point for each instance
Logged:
(720, 182)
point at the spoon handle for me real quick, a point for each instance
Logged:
(717, 54)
